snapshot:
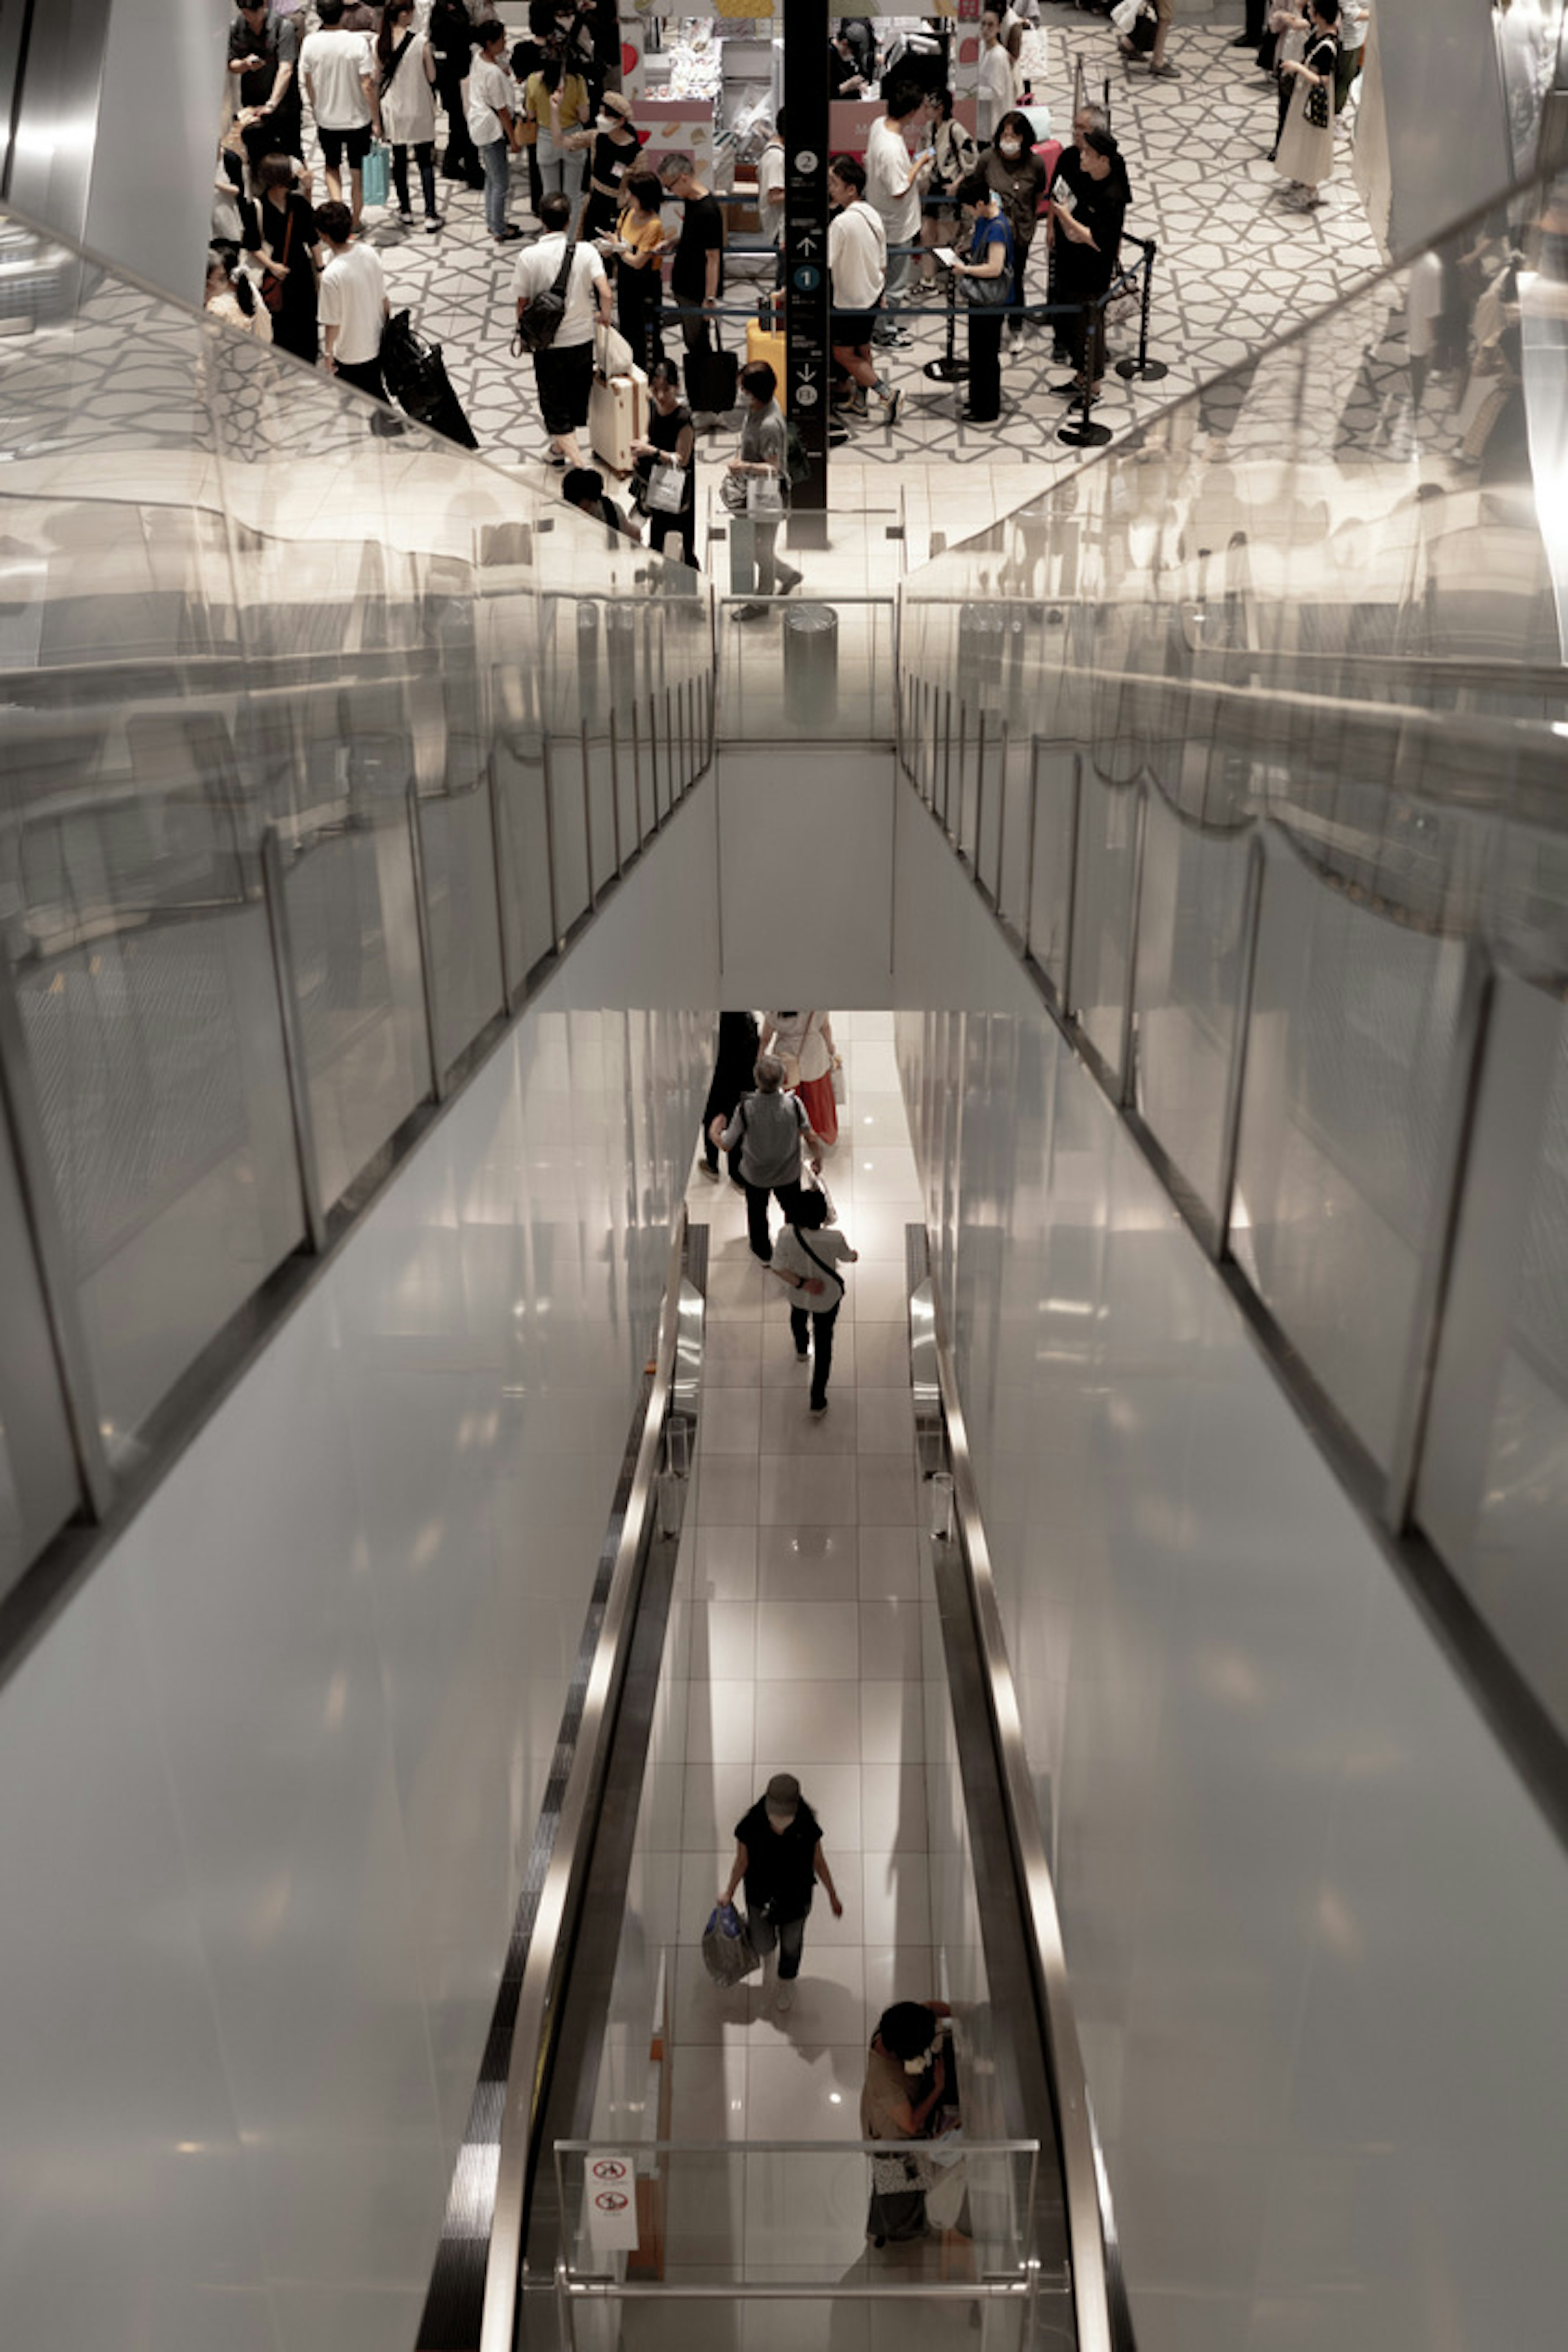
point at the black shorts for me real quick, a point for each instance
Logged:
(334, 143)
(564, 381)
(854, 327)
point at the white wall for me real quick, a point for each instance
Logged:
(1317, 1936)
(150, 204)
(266, 1787)
(804, 874)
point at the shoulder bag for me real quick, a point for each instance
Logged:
(1317, 107)
(989, 293)
(540, 320)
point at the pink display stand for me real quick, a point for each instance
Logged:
(675, 126)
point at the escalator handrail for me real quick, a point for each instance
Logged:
(539, 2005)
(1091, 2238)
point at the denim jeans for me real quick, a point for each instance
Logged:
(498, 179)
(559, 168)
(790, 1937)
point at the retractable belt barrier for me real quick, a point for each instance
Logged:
(1081, 432)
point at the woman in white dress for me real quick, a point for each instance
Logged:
(1305, 156)
(407, 106)
(805, 1041)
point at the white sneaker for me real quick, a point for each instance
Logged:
(787, 1995)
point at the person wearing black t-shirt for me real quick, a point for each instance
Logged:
(697, 273)
(778, 1853)
(614, 153)
(671, 435)
(290, 260)
(264, 60)
(1070, 172)
(1088, 229)
(452, 45)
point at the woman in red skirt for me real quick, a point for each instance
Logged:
(804, 1043)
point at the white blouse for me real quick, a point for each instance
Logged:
(801, 1033)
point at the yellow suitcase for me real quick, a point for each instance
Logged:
(763, 344)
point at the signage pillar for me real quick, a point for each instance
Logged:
(807, 289)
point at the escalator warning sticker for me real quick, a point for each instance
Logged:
(612, 2201)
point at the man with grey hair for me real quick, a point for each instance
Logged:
(769, 1127)
(1068, 173)
(696, 279)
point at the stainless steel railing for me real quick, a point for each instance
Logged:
(676, 1376)
(943, 1450)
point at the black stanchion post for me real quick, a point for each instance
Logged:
(1083, 433)
(1146, 369)
(949, 368)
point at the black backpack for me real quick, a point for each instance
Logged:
(541, 322)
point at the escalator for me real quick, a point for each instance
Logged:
(600, 2201)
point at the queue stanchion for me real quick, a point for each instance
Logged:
(1146, 369)
(949, 368)
(1081, 432)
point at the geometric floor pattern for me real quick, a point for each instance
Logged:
(1235, 267)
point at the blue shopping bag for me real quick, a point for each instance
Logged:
(377, 178)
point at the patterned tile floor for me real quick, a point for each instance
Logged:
(1236, 267)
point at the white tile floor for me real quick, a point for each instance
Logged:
(802, 1597)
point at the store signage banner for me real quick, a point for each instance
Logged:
(807, 295)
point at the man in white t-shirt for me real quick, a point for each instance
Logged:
(337, 70)
(894, 184)
(563, 370)
(351, 303)
(857, 268)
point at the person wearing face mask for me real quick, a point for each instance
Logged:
(615, 149)
(1018, 176)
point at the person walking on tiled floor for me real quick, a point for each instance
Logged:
(778, 1854)
(806, 1258)
(770, 1128)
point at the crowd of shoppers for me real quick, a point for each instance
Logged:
(547, 104)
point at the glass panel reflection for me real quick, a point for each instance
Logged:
(236, 604)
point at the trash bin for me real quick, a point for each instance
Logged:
(811, 668)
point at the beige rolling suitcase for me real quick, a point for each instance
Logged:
(618, 410)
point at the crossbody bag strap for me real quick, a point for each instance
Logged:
(811, 1254)
(565, 272)
(399, 53)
